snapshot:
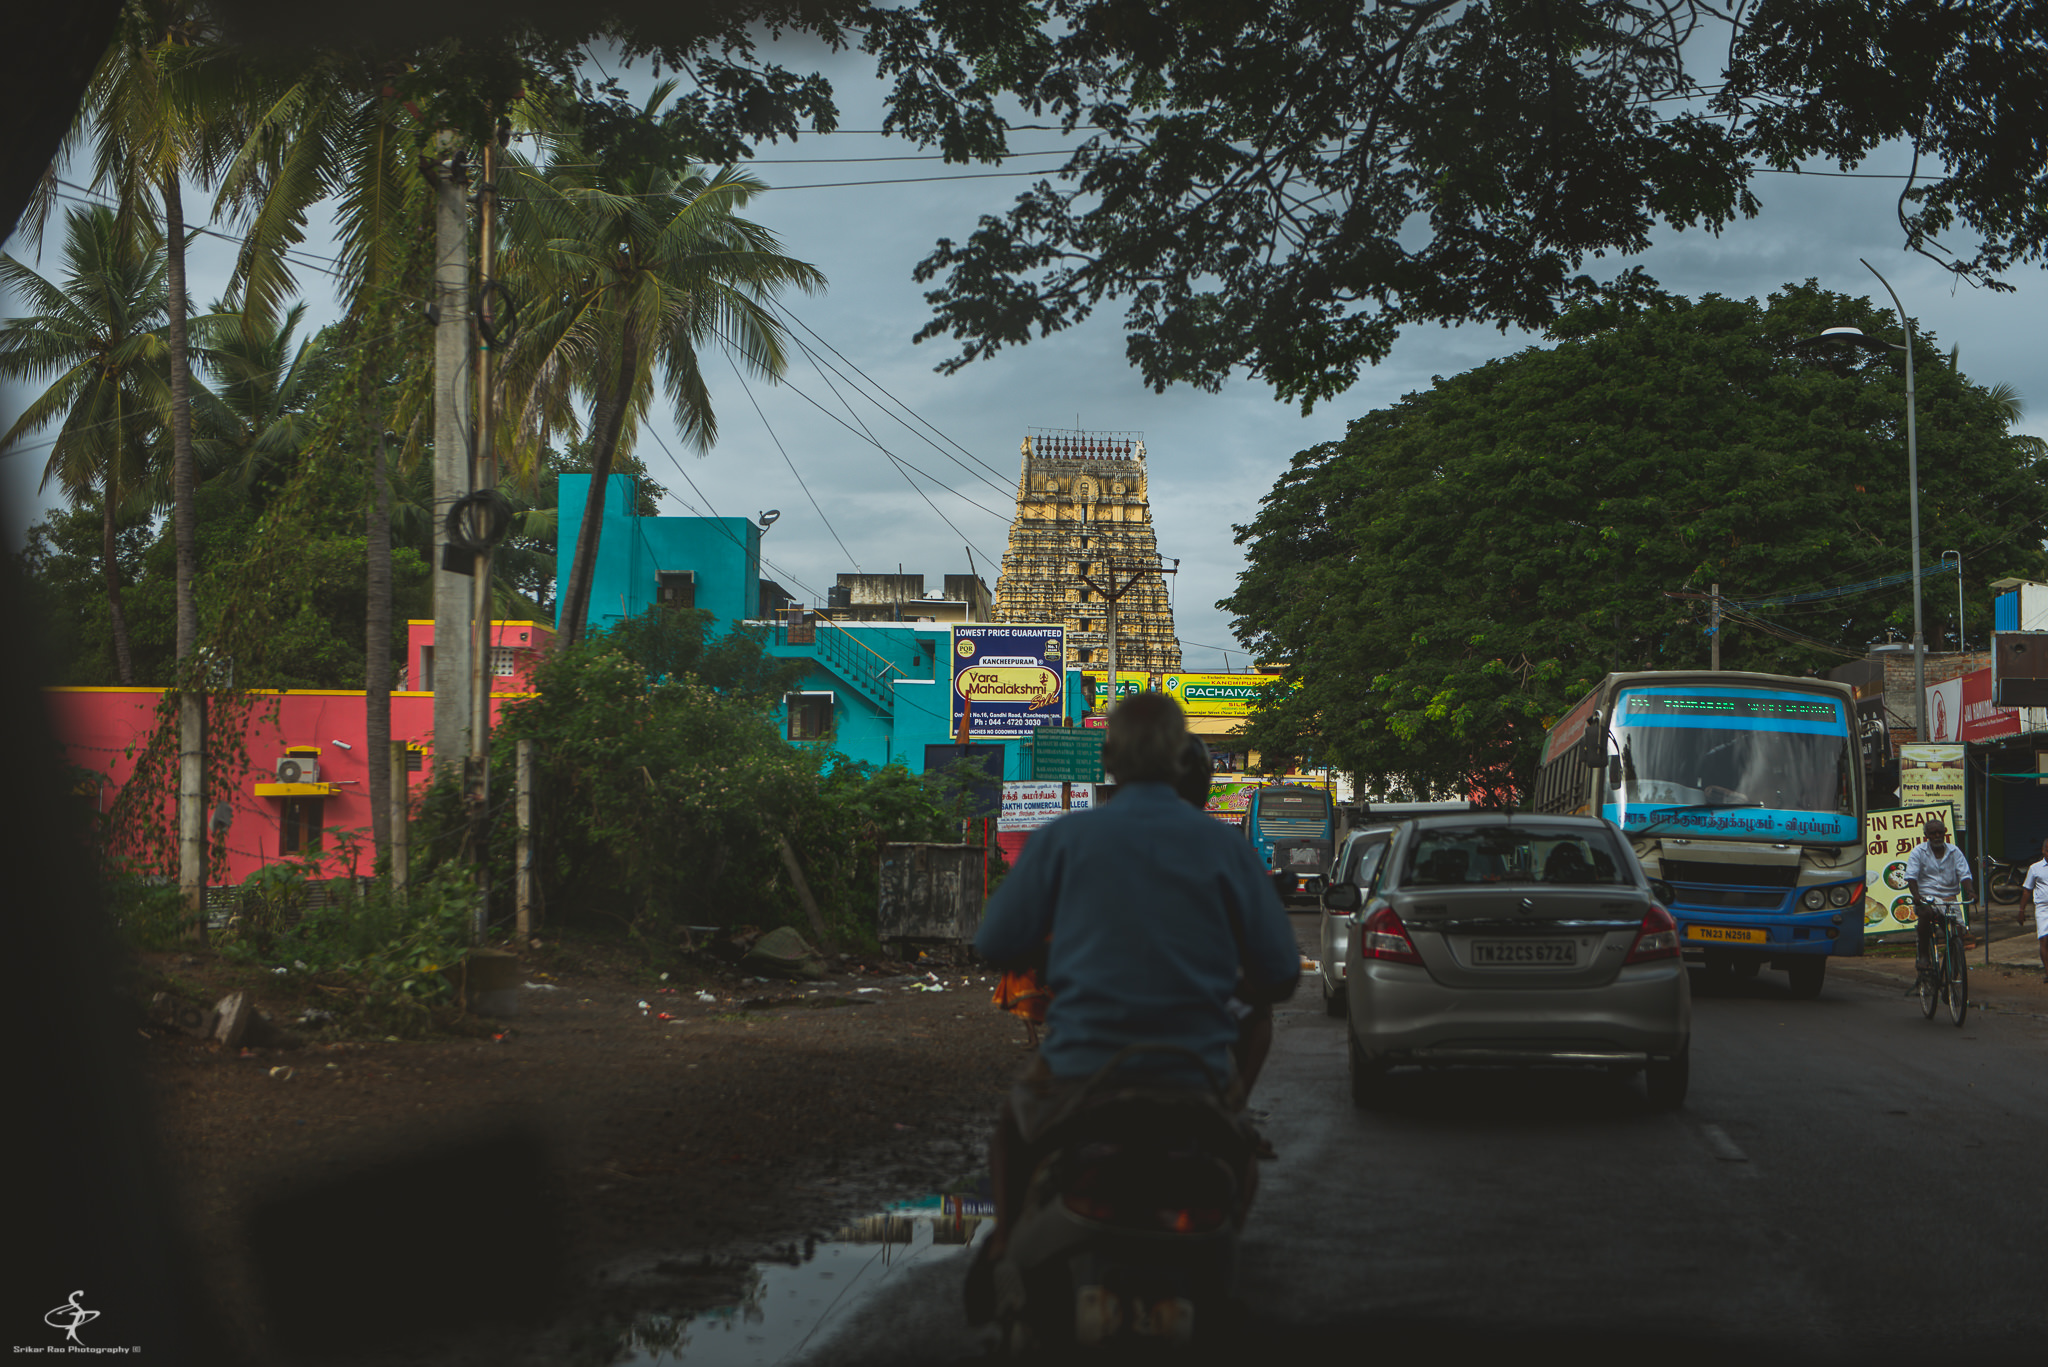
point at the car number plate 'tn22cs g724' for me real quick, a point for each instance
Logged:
(1518, 953)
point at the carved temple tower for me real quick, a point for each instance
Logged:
(1078, 487)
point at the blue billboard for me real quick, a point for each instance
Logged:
(1008, 679)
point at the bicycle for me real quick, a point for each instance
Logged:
(1947, 979)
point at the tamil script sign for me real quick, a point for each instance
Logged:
(1008, 679)
(1889, 836)
(1960, 710)
(1064, 754)
(1217, 695)
(1932, 776)
(1027, 806)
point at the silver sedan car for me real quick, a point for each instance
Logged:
(1513, 938)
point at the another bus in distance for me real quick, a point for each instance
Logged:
(1744, 792)
(1290, 828)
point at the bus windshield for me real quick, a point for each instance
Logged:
(1740, 763)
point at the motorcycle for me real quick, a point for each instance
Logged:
(1127, 1235)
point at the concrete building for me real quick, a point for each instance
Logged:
(903, 598)
(879, 677)
(1082, 510)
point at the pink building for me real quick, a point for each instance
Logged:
(305, 791)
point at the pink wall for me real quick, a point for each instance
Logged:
(525, 639)
(97, 725)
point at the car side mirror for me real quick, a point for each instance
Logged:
(1663, 892)
(1343, 897)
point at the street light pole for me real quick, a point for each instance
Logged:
(1913, 497)
(1962, 644)
(1857, 337)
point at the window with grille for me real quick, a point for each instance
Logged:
(810, 716)
(675, 589)
(505, 661)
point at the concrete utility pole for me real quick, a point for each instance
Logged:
(454, 601)
(483, 474)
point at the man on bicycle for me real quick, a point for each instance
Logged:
(1935, 872)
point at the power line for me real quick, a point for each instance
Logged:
(787, 461)
(878, 445)
(718, 522)
(1004, 517)
(1001, 488)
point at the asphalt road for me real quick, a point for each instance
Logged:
(1847, 1182)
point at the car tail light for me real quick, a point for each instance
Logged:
(1386, 938)
(1658, 938)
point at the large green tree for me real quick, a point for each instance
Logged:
(1464, 565)
(1283, 188)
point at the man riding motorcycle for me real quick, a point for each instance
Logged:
(1148, 917)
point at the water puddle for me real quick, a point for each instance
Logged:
(786, 1309)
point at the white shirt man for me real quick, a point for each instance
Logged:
(1935, 872)
(2037, 884)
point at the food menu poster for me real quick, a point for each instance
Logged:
(1889, 836)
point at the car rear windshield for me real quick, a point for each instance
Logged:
(1442, 856)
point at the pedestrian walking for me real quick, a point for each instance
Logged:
(2037, 884)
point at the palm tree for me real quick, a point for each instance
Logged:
(623, 271)
(265, 380)
(94, 336)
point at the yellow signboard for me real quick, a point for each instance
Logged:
(1217, 695)
(1888, 837)
(1930, 775)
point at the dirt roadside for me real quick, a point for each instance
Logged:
(683, 1148)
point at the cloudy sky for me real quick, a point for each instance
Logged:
(1212, 456)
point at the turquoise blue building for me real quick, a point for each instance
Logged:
(875, 691)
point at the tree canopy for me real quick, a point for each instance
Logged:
(1285, 187)
(1466, 564)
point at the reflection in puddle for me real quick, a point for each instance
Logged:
(786, 1309)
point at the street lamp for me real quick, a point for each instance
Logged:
(1857, 337)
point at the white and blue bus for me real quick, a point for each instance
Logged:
(1290, 826)
(1742, 791)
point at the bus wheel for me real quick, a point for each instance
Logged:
(1807, 975)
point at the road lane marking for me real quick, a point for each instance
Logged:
(1725, 1149)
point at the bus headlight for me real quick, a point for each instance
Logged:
(1814, 899)
(1840, 895)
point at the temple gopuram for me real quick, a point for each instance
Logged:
(1081, 507)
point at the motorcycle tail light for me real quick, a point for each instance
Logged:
(1386, 938)
(1191, 1220)
(1657, 939)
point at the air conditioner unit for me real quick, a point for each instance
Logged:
(298, 769)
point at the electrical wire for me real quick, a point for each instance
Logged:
(717, 521)
(893, 459)
(998, 482)
(787, 461)
(794, 389)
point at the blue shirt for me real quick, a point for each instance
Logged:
(1139, 897)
